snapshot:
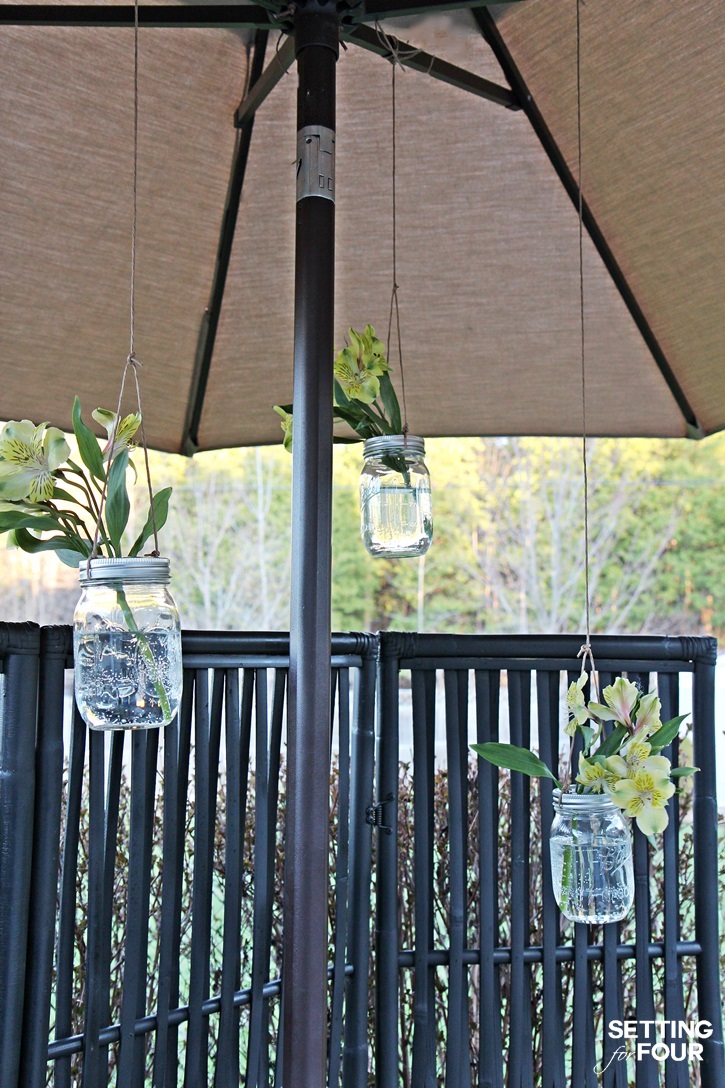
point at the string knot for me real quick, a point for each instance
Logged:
(131, 360)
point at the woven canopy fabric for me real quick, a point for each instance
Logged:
(488, 257)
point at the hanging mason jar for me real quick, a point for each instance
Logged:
(396, 510)
(591, 858)
(127, 644)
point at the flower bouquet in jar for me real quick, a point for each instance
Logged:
(127, 641)
(396, 513)
(622, 774)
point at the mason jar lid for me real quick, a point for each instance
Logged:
(583, 802)
(387, 444)
(144, 571)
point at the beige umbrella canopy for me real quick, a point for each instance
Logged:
(487, 233)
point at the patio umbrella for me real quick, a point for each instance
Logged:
(488, 261)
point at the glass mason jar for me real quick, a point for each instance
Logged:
(591, 858)
(127, 644)
(396, 510)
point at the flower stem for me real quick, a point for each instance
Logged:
(146, 651)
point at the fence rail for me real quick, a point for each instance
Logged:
(489, 1049)
(196, 973)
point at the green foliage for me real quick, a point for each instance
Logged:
(363, 394)
(514, 759)
(48, 491)
(508, 548)
(228, 538)
(88, 446)
(159, 516)
(118, 507)
(666, 733)
(613, 742)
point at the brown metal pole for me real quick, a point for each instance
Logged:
(304, 995)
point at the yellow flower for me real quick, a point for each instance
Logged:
(576, 706)
(29, 456)
(621, 697)
(286, 426)
(648, 715)
(358, 367)
(634, 757)
(644, 796)
(126, 429)
(595, 776)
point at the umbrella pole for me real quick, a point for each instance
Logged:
(304, 996)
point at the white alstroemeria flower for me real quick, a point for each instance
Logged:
(634, 756)
(127, 428)
(576, 705)
(357, 380)
(30, 455)
(648, 715)
(621, 697)
(594, 776)
(644, 797)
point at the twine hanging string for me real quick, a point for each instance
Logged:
(585, 653)
(131, 360)
(397, 54)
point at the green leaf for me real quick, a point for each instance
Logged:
(390, 403)
(678, 772)
(161, 511)
(59, 493)
(382, 426)
(340, 399)
(588, 734)
(22, 519)
(515, 759)
(666, 733)
(88, 446)
(118, 507)
(359, 423)
(348, 415)
(29, 543)
(68, 557)
(613, 742)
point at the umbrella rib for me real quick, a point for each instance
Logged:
(210, 319)
(400, 9)
(492, 36)
(258, 91)
(216, 16)
(419, 61)
(260, 16)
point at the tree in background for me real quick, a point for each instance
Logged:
(508, 551)
(228, 539)
(527, 533)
